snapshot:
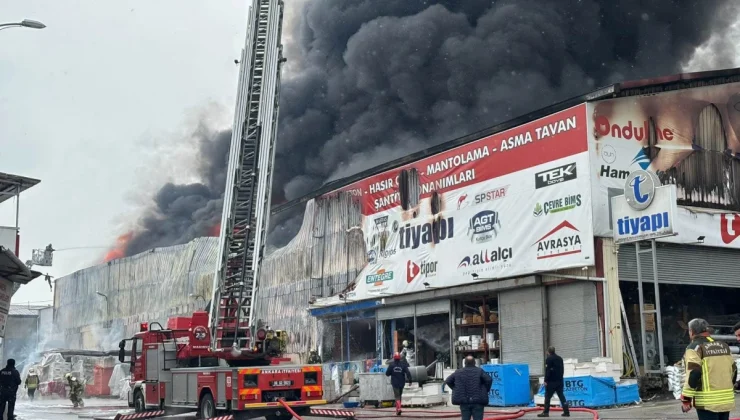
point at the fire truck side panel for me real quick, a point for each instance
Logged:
(185, 388)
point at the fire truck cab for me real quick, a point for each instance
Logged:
(174, 369)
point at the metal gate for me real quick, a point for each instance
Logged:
(573, 320)
(521, 317)
(683, 264)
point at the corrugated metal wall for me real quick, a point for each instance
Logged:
(322, 260)
(146, 287)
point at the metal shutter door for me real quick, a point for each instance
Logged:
(433, 307)
(682, 264)
(573, 319)
(520, 313)
(395, 312)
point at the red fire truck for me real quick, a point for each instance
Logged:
(173, 369)
(223, 359)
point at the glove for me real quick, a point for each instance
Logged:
(685, 404)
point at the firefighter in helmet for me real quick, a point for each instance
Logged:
(75, 390)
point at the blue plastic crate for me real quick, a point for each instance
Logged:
(588, 391)
(628, 394)
(510, 385)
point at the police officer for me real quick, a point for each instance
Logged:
(10, 380)
(710, 375)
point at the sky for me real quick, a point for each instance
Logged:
(101, 104)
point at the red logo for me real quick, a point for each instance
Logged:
(729, 227)
(461, 201)
(564, 239)
(412, 270)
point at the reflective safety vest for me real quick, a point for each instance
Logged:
(713, 370)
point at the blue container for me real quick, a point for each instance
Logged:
(588, 391)
(627, 394)
(351, 404)
(510, 385)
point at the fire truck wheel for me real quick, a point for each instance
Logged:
(206, 408)
(139, 403)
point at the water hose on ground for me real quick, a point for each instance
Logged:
(290, 410)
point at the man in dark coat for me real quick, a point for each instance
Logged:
(470, 387)
(554, 382)
(10, 380)
(398, 370)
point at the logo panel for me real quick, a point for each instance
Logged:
(639, 189)
(555, 176)
(414, 270)
(379, 277)
(491, 195)
(563, 240)
(412, 237)
(484, 226)
(730, 227)
(559, 205)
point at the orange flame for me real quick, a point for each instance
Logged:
(119, 251)
(215, 230)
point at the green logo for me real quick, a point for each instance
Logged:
(379, 277)
(537, 210)
(569, 202)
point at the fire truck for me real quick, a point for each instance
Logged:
(222, 360)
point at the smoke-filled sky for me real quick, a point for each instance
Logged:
(139, 99)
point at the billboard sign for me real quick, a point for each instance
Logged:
(688, 137)
(473, 220)
(646, 210)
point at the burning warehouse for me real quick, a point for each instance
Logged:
(462, 247)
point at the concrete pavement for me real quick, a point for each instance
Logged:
(58, 409)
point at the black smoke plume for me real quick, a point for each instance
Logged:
(373, 80)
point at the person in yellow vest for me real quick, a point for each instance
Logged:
(32, 382)
(710, 375)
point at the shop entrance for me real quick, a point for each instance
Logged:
(680, 304)
(425, 326)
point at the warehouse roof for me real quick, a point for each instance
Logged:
(26, 310)
(617, 90)
(13, 269)
(11, 185)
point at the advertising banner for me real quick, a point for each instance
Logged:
(646, 210)
(689, 136)
(513, 203)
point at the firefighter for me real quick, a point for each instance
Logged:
(32, 382)
(75, 390)
(399, 372)
(710, 375)
(408, 353)
(314, 358)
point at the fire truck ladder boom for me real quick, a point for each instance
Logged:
(246, 212)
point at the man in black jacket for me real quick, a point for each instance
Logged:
(10, 380)
(554, 382)
(470, 387)
(398, 370)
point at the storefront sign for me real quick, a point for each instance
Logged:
(646, 210)
(474, 219)
(658, 133)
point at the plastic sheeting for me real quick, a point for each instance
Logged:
(322, 260)
(147, 287)
(119, 381)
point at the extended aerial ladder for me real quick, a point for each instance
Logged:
(245, 217)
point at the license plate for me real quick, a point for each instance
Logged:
(281, 383)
